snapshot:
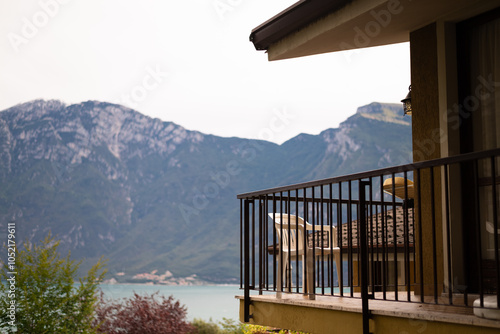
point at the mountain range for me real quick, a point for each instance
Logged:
(153, 197)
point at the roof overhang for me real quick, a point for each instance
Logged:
(319, 26)
(292, 19)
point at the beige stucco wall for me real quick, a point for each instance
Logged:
(426, 146)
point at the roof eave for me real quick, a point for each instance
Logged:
(292, 19)
(307, 28)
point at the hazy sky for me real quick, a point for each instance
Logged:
(189, 62)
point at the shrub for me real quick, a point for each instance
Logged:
(151, 314)
(206, 327)
(226, 326)
(255, 329)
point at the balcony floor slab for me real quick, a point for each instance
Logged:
(418, 314)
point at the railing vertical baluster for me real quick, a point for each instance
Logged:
(414, 236)
(434, 241)
(281, 236)
(406, 239)
(313, 222)
(289, 275)
(266, 247)
(260, 247)
(329, 262)
(377, 273)
(253, 242)
(241, 245)
(383, 229)
(321, 243)
(330, 241)
(297, 243)
(363, 254)
(394, 236)
(420, 248)
(478, 235)
(275, 242)
(349, 237)
(356, 210)
(305, 278)
(448, 233)
(371, 249)
(246, 307)
(265, 239)
(495, 225)
(340, 241)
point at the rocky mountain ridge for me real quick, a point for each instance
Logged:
(150, 195)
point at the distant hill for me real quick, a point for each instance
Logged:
(151, 195)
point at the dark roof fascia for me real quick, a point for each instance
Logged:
(292, 19)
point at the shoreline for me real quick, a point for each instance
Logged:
(183, 285)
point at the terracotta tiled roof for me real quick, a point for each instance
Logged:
(388, 223)
(376, 235)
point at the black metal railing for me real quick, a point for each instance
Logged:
(424, 232)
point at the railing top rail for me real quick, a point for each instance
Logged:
(377, 172)
(328, 200)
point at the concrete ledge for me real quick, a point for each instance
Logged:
(344, 314)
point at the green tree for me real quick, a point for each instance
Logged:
(48, 296)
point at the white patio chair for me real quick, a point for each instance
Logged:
(290, 232)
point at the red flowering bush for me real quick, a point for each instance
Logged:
(142, 315)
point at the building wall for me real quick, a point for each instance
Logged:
(426, 146)
(425, 93)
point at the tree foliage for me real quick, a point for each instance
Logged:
(149, 314)
(49, 298)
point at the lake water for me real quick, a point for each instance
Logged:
(204, 302)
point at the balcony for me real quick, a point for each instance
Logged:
(385, 248)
